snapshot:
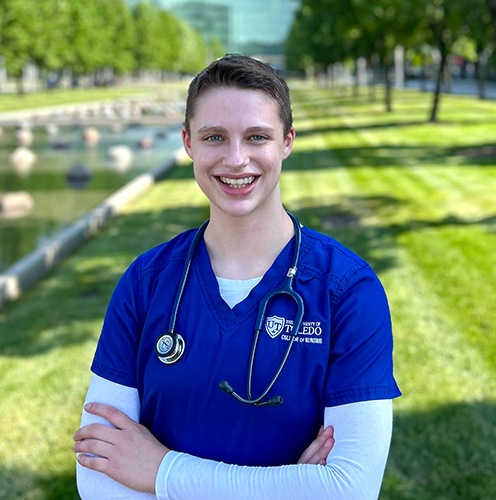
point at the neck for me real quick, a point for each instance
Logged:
(245, 247)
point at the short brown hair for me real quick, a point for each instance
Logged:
(243, 72)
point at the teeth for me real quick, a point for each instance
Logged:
(237, 183)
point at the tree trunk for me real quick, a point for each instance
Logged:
(373, 80)
(423, 77)
(388, 96)
(356, 87)
(20, 85)
(481, 73)
(444, 55)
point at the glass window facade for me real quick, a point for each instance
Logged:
(252, 27)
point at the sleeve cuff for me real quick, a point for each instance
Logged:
(163, 475)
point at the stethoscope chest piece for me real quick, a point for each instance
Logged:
(169, 348)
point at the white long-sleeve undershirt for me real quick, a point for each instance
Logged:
(354, 470)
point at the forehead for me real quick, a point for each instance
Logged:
(236, 104)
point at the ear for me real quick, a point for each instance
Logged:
(288, 142)
(187, 143)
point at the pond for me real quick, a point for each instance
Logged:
(59, 200)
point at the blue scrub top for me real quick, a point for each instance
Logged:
(342, 354)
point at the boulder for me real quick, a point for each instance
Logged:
(16, 204)
(120, 157)
(22, 159)
(145, 143)
(24, 137)
(52, 129)
(78, 176)
(61, 144)
(91, 136)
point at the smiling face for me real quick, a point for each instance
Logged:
(237, 144)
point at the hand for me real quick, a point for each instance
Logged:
(318, 450)
(129, 454)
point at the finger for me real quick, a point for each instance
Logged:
(316, 445)
(317, 451)
(329, 431)
(116, 417)
(321, 454)
(97, 431)
(94, 447)
(98, 464)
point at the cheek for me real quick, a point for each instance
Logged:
(205, 159)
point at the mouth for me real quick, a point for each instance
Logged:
(237, 183)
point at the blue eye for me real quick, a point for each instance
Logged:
(214, 138)
(258, 138)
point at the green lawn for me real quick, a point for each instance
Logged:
(416, 200)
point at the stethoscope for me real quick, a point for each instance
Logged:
(170, 346)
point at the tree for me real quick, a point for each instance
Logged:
(90, 37)
(122, 37)
(328, 31)
(215, 49)
(481, 28)
(148, 35)
(192, 56)
(17, 31)
(316, 39)
(441, 26)
(50, 48)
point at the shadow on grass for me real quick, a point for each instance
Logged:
(392, 156)
(443, 454)
(375, 244)
(20, 485)
(392, 124)
(343, 222)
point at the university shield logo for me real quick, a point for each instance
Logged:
(274, 326)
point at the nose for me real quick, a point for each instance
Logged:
(236, 156)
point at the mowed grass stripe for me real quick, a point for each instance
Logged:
(442, 317)
(460, 261)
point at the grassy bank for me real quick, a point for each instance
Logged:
(58, 97)
(414, 199)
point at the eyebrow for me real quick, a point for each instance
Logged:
(250, 130)
(209, 128)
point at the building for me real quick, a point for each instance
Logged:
(213, 22)
(251, 27)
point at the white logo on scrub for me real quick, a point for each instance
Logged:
(274, 325)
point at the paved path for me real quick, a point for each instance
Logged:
(461, 87)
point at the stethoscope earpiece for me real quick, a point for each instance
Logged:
(169, 347)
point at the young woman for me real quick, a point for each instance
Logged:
(326, 352)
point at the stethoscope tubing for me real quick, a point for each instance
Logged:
(177, 342)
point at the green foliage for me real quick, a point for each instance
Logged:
(17, 25)
(165, 42)
(192, 54)
(123, 38)
(328, 31)
(88, 35)
(148, 35)
(215, 49)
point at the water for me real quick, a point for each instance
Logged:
(56, 203)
